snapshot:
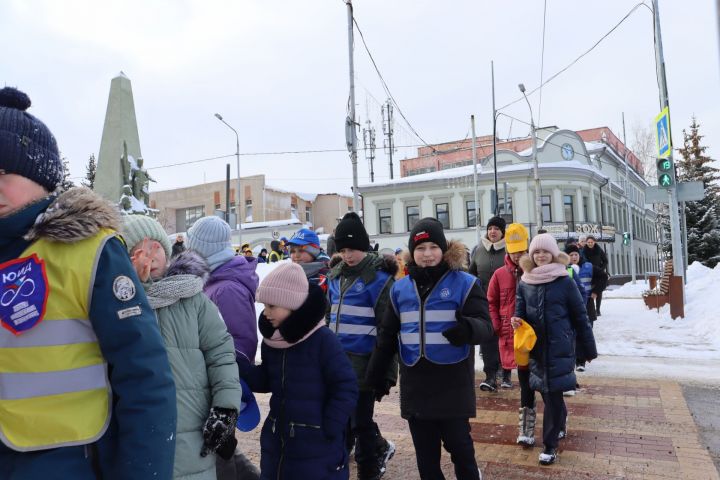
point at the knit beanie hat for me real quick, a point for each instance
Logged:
(286, 286)
(498, 222)
(208, 236)
(27, 147)
(136, 228)
(308, 240)
(571, 248)
(351, 233)
(546, 242)
(516, 238)
(427, 230)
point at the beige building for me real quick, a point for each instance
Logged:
(179, 208)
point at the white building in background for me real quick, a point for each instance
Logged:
(582, 182)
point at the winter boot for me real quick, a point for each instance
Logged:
(548, 456)
(489, 385)
(526, 423)
(564, 430)
(506, 379)
(375, 469)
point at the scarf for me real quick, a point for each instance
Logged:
(220, 258)
(169, 290)
(277, 340)
(544, 274)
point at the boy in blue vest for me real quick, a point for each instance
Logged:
(87, 391)
(438, 313)
(358, 294)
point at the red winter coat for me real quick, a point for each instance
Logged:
(501, 300)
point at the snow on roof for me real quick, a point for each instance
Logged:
(308, 197)
(271, 223)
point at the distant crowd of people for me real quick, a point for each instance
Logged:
(127, 357)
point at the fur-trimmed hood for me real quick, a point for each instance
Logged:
(528, 265)
(456, 256)
(76, 214)
(189, 263)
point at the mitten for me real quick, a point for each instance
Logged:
(219, 425)
(458, 335)
(382, 389)
(227, 449)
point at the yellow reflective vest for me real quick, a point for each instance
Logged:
(54, 387)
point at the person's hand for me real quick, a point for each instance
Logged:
(458, 335)
(219, 425)
(594, 296)
(142, 259)
(515, 322)
(382, 389)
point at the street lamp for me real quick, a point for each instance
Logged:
(536, 171)
(238, 207)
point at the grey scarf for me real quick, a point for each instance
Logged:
(171, 289)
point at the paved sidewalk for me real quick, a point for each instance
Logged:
(618, 429)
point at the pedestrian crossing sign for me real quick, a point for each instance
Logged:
(662, 130)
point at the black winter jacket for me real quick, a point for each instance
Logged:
(429, 390)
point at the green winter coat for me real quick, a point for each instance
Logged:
(366, 270)
(202, 359)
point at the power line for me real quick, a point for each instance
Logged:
(385, 86)
(632, 10)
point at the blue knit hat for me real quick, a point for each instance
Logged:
(27, 147)
(209, 235)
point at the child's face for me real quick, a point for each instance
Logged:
(574, 258)
(276, 315)
(299, 255)
(352, 257)
(152, 251)
(542, 257)
(515, 256)
(17, 191)
(427, 254)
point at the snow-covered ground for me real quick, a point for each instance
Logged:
(636, 342)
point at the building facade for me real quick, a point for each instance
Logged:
(582, 183)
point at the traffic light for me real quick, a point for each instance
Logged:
(626, 238)
(665, 173)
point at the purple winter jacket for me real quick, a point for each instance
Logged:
(232, 288)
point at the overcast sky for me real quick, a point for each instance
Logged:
(278, 72)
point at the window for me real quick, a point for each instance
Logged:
(308, 214)
(192, 215)
(470, 218)
(569, 212)
(545, 208)
(412, 214)
(385, 220)
(248, 211)
(293, 210)
(443, 214)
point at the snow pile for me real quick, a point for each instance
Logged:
(628, 327)
(628, 290)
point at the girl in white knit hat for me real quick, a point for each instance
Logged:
(313, 386)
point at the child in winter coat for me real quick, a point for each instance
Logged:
(501, 299)
(312, 383)
(438, 313)
(200, 349)
(586, 273)
(358, 293)
(549, 301)
(94, 396)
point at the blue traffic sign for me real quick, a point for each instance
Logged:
(662, 134)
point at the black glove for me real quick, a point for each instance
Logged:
(227, 449)
(458, 335)
(381, 389)
(219, 425)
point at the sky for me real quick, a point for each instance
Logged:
(278, 73)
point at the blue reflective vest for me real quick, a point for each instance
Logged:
(352, 313)
(422, 323)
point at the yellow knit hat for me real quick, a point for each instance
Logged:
(524, 341)
(516, 238)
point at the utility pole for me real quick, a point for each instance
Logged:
(492, 75)
(475, 185)
(677, 251)
(536, 170)
(633, 273)
(350, 134)
(369, 147)
(388, 130)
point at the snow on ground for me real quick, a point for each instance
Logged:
(636, 342)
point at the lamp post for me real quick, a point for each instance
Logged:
(536, 170)
(238, 207)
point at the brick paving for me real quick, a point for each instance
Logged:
(618, 429)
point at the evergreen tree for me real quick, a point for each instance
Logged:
(67, 183)
(90, 169)
(703, 227)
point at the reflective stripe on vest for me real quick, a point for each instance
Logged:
(422, 323)
(356, 328)
(54, 388)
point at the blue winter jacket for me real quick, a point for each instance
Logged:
(314, 391)
(557, 313)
